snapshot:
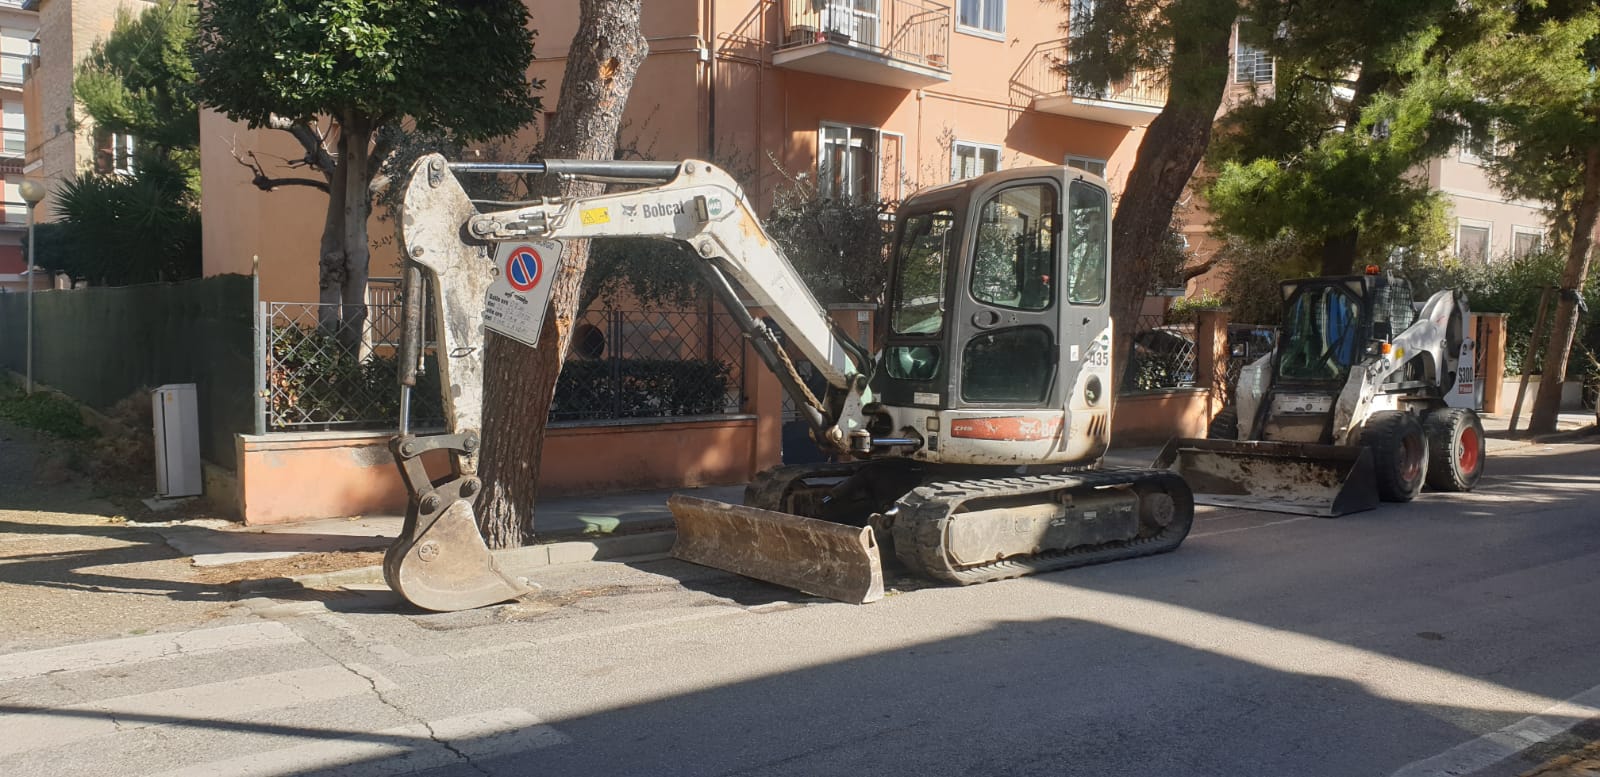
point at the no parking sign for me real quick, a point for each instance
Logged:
(516, 301)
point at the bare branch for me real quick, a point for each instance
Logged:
(1196, 270)
(267, 183)
(314, 143)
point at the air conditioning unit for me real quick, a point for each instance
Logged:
(176, 410)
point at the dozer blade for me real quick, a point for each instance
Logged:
(818, 557)
(448, 567)
(1280, 477)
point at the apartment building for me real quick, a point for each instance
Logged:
(17, 28)
(865, 98)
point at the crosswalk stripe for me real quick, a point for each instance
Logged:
(222, 701)
(394, 751)
(150, 647)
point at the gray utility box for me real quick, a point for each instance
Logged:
(176, 409)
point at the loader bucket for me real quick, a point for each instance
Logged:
(448, 567)
(818, 557)
(1281, 477)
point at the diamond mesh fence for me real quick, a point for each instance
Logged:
(323, 373)
(1162, 356)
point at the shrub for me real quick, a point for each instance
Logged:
(639, 388)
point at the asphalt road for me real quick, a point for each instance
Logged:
(1441, 637)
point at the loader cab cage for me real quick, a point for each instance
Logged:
(1330, 323)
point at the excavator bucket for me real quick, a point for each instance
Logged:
(818, 557)
(448, 567)
(1281, 477)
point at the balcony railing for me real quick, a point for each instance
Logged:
(911, 38)
(1040, 81)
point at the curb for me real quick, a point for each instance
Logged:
(642, 546)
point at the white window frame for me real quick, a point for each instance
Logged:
(1085, 161)
(823, 176)
(1518, 231)
(900, 164)
(978, 149)
(1240, 48)
(122, 147)
(979, 30)
(1488, 241)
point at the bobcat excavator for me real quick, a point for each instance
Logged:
(1348, 409)
(966, 449)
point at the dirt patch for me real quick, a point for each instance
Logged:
(292, 566)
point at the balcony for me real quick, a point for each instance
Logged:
(899, 43)
(1039, 83)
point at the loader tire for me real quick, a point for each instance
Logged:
(1455, 449)
(1399, 454)
(1224, 425)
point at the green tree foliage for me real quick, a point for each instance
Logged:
(839, 246)
(1538, 74)
(120, 228)
(140, 82)
(361, 66)
(1364, 94)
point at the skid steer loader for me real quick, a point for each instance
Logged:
(1348, 409)
(964, 450)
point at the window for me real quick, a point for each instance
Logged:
(985, 15)
(847, 163)
(1250, 64)
(1320, 336)
(972, 159)
(122, 153)
(1472, 242)
(921, 260)
(1087, 247)
(15, 138)
(1081, 16)
(1015, 263)
(1526, 241)
(1087, 164)
(1011, 365)
(1470, 145)
(857, 20)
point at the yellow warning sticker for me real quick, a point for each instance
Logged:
(597, 216)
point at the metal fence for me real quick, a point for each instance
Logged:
(651, 364)
(623, 364)
(1162, 356)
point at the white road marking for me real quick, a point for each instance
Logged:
(402, 750)
(151, 647)
(213, 702)
(1248, 528)
(1496, 746)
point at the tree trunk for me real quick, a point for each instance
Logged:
(1547, 403)
(519, 384)
(330, 254)
(1339, 253)
(1172, 148)
(355, 132)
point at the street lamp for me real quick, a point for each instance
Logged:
(32, 192)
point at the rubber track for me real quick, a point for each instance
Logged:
(919, 526)
(769, 487)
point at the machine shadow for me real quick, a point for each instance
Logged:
(1051, 696)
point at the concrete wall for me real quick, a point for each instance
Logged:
(1475, 201)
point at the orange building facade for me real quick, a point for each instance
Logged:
(863, 98)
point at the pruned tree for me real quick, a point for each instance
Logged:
(333, 74)
(519, 384)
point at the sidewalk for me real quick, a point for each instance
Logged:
(569, 529)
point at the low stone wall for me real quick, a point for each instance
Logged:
(284, 478)
(1154, 418)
